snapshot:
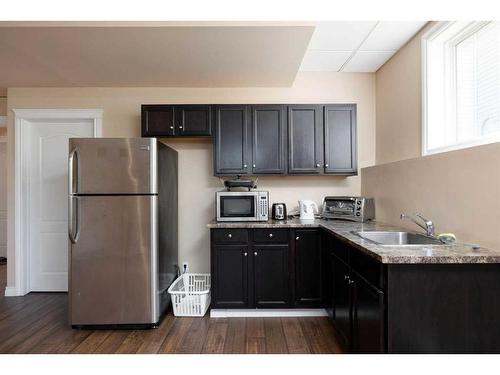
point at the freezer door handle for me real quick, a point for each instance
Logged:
(72, 174)
(73, 222)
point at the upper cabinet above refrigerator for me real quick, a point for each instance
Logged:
(176, 120)
(112, 166)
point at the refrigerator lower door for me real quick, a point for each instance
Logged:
(113, 260)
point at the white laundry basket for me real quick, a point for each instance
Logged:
(190, 294)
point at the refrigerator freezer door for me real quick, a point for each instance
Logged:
(113, 262)
(112, 166)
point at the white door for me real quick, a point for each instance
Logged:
(3, 199)
(48, 200)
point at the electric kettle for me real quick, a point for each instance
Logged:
(306, 209)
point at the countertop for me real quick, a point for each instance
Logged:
(433, 254)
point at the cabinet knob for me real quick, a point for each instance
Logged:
(180, 127)
(346, 277)
(326, 165)
(254, 166)
(172, 127)
(230, 235)
(255, 253)
(271, 235)
(245, 253)
(244, 165)
(351, 281)
(318, 165)
(297, 238)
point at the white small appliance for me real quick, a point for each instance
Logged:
(307, 209)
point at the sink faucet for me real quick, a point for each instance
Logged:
(428, 225)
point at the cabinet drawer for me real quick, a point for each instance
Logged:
(230, 236)
(270, 235)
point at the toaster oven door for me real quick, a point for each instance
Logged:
(342, 208)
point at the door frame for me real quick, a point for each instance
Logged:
(22, 118)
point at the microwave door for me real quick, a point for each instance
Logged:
(237, 207)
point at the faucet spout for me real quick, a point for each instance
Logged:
(427, 225)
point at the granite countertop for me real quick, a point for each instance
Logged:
(433, 254)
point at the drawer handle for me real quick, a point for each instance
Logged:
(180, 127)
(244, 165)
(271, 235)
(255, 253)
(171, 127)
(245, 253)
(318, 165)
(297, 238)
(230, 235)
(326, 165)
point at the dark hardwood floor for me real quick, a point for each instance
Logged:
(37, 323)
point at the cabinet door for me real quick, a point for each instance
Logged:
(308, 269)
(230, 276)
(305, 139)
(231, 146)
(340, 139)
(368, 317)
(157, 120)
(193, 120)
(271, 276)
(268, 139)
(342, 300)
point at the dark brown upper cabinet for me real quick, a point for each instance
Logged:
(193, 120)
(231, 151)
(157, 120)
(268, 139)
(176, 120)
(305, 139)
(340, 139)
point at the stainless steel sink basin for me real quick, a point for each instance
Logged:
(390, 238)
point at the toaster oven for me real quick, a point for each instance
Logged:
(348, 208)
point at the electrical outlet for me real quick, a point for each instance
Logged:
(185, 267)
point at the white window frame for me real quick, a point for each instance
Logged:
(465, 29)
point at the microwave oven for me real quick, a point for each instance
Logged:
(242, 206)
(349, 208)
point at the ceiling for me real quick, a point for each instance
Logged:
(190, 54)
(357, 46)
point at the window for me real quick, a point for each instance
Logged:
(461, 85)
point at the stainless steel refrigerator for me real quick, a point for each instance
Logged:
(122, 230)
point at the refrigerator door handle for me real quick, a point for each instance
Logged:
(73, 219)
(72, 177)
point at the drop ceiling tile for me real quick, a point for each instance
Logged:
(340, 35)
(367, 61)
(324, 60)
(391, 35)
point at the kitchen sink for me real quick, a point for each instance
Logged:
(391, 238)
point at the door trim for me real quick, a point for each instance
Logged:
(21, 180)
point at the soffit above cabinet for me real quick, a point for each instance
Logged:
(176, 54)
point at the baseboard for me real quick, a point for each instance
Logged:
(11, 291)
(266, 313)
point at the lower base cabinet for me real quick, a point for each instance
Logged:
(230, 287)
(271, 276)
(254, 275)
(367, 316)
(374, 307)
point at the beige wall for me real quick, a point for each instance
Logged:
(197, 185)
(458, 190)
